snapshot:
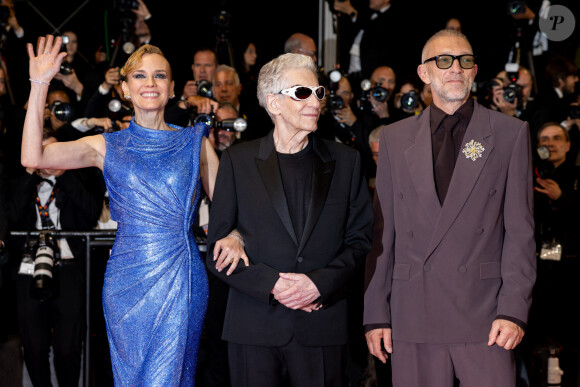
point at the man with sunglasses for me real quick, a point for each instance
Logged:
(302, 207)
(451, 271)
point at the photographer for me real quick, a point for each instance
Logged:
(197, 93)
(407, 101)
(109, 100)
(519, 103)
(54, 200)
(224, 137)
(557, 210)
(339, 122)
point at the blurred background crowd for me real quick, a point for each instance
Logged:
(367, 59)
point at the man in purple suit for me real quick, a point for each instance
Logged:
(451, 271)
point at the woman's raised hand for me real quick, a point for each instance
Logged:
(46, 63)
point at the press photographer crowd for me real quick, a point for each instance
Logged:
(375, 83)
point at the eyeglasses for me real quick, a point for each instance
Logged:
(300, 93)
(466, 61)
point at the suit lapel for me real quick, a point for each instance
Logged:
(419, 158)
(267, 164)
(465, 175)
(322, 172)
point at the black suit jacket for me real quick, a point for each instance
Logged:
(249, 196)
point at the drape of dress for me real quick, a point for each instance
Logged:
(155, 289)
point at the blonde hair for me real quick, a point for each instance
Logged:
(136, 59)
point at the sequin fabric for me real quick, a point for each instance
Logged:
(155, 290)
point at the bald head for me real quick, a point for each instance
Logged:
(299, 43)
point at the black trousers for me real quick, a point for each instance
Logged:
(58, 322)
(292, 365)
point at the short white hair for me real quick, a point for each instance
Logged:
(272, 80)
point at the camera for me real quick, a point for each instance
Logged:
(62, 111)
(232, 124)
(516, 7)
(511, 92)
(410, 100)
(45, 260)
(544, 167)
(65, 68)
(228, 124)
(204, 89)
(378, 92)
(335, 102)
(208, 119)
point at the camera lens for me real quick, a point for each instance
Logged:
(336, 102)
(379, 93)
(43, 268)
(65, 68)
(409, 101)
(204, 89)
(205, 118)
(62, 110)
(509, 94)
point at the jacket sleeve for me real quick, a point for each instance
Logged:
(380, 260)
(256, 280)
(518, 260)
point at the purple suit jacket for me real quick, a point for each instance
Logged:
(441, 274)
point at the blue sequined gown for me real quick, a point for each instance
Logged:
(155, 291)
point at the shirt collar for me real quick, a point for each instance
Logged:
(464, 112)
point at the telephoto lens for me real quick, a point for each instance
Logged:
(44, 262)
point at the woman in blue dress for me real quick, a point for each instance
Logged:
(155, 290)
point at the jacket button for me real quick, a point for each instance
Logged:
(462, 269)
(426, 268)
(300, 259)
(479, 231)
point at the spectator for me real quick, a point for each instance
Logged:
(48, 200)
(299, 43)
(191, 103)
(556, 210)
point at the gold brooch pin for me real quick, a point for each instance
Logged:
(473, 150)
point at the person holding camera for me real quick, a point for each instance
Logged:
(197, 96)
(512, 94)
(109, 101)
(339, 122)
(52, 313)
(553, 321)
